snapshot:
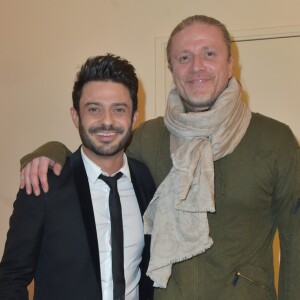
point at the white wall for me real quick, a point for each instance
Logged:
(43, 42)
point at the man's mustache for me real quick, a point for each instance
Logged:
(110, 128)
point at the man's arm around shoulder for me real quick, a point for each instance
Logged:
(34, 166)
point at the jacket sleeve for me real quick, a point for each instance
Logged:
(287, 197)
(53, 150)
(22, 247)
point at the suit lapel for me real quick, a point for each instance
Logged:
(83, 190)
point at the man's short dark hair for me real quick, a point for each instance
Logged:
(106, 68)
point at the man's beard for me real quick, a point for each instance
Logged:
(100, 149)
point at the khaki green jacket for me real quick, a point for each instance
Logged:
(257, 191)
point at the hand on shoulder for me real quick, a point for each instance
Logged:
(35, 172)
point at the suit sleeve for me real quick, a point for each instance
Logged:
(22, 246)
(287, 197)
(53, 150)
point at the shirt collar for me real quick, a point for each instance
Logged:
(93, 171)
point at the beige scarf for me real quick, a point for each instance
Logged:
(177, 215)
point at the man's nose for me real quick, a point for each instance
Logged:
(107, 118)
(198, 63)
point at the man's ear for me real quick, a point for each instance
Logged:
(230, 67)
(74, 116)
(135, 117)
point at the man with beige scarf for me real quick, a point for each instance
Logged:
(226, 180)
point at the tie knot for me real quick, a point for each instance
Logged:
(111, 181)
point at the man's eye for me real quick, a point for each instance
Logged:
(210, 53)
(93, 109)
(119, 110)
(184, 58)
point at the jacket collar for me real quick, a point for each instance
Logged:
(83, 190)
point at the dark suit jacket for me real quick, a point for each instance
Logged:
(52, 238)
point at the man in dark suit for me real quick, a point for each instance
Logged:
(63, 239)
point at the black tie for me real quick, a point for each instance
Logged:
(117, 247)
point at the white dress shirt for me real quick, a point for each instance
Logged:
(132, 227)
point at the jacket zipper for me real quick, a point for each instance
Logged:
(238, 275)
